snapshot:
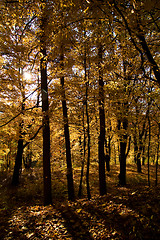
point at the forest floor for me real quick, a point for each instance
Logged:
(131, 212)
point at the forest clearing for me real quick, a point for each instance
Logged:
(130, 212)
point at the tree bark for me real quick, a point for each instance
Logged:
(67, 143)
(88, 144)
(148, 153)
(83, 158)
(156, 181)
(67, 136)
(139, 167)
(102, 177)
(18, 162)
(122, 154)
(45, 111)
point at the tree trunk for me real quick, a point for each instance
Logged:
(67, 137)
(138, 161)
(88, 157)
(83, 159)
(18, 162)
(149, 141)
(135, 150)
(87, 116)
(67, 143)
(122, 154)
(156, 181)
(149, 55)
(102, 177)
(143, 155)
(139, 150)
(108, 153)
(45, 111)
(88, 144)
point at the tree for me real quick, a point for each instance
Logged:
(87, 116)
(134, 25)
(66, 128)
(101, 142)
(19, 156)
(45, 108)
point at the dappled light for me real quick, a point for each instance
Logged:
(79, 120)
(130, 212)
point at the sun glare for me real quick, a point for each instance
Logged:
(27, 76)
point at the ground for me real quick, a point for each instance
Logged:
(130, 212)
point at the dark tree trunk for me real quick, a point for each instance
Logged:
(101, 155)
(18, 163)
(88, 157)
(45, 111)
(82, 157)
(108, 153)
(149, 141)
(46, 132)
(149, 56)
(88, 144)
(143, 43)
(139, 150)
(19, 156)
(143, 155)
(143, 149)
(67, 137)
(67, 143)
(156, 181)
(87, 116)
(122, 154)
(138, 161)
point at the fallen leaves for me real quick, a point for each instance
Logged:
(131, 212)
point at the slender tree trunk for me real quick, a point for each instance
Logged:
(108, 153)
(142, 41)
(149, 56)
(149, 141)
(88, 157)
(135, 150)
(87, 116)
(67, 142)
(139, 168)
(139, 150)
(88, 144)
(115, 154)
(156, 181)
(102, 177)
(45, 111)
(67, 137)
(83, 160)
(82, 173)
(18, 162)
(122, 155)
(143, 155)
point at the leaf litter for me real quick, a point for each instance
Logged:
(131, 212)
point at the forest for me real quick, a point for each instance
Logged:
(79, 119)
